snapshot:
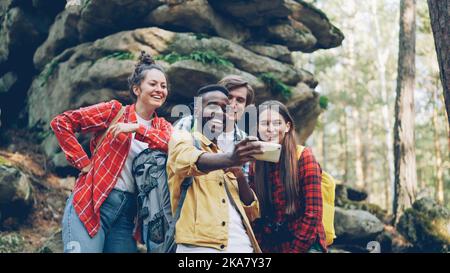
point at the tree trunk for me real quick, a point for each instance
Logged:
(440, 23)
(344, 143)
(437, 148)
(404, 152)
(358, 149)
(383, 53)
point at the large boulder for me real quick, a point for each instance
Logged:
(23, 26)
(345, 193)
(293, 34)
(349, 197)
(16, 195)
(427, 226)
(89, 21)
(253, 13)
(356, 226)
(326, 34)
(63, 34)
(277, 52)
(196, 16)
(296, 24)
(293, 23)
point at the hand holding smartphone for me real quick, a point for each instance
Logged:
(271, 151)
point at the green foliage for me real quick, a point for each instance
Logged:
(210, 57)
(323, 102)
(200, 36)
(204, 57)
(48, 71)
(275, 85)
(85, 4)
(39, 131)
(171, 58)
(11, 243)
(120, 55)
(4, 161)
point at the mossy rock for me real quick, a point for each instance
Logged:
(11, 243)
(5, 162)
(350, 198)
(427, 226)
(346, 193)
(372, 208)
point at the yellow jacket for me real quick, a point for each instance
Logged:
(204, 216)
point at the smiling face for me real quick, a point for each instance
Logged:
(214, 115)
(152, 91)
(272, 127)
(238, 101)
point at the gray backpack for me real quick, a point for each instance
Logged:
(154, 210)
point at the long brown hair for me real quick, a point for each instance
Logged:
(288, 167)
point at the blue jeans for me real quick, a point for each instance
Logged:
(115, 235)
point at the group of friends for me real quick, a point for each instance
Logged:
(235, 203)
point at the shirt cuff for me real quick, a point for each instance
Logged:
(82, 162)
(252, 210)
(141, 132)
(193, 169)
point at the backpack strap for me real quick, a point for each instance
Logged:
(300, 150)
(114, 121)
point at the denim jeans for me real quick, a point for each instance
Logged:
(115, 235)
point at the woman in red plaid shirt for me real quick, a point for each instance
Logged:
(99, 215)
(289, 192)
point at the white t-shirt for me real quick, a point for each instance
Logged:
(238, 240)
(125, 181)
(225, 141)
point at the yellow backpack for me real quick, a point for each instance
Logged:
(328, 193)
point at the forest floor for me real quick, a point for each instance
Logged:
(49, 193)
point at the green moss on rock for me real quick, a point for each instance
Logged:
(11, 243)
(427, 226)
(4, 161)
(275, 85)
(204, 57)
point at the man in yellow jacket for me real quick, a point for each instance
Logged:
(219, 205)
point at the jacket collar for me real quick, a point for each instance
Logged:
(132, 114)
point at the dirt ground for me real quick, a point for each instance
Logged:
(50, 192)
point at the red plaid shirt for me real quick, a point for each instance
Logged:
(92, 188)
(305, 228)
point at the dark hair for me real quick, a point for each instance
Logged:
(212, 88)
(145, 63)
(232, 82)
(288, 166)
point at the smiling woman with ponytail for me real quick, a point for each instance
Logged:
(99, 214)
